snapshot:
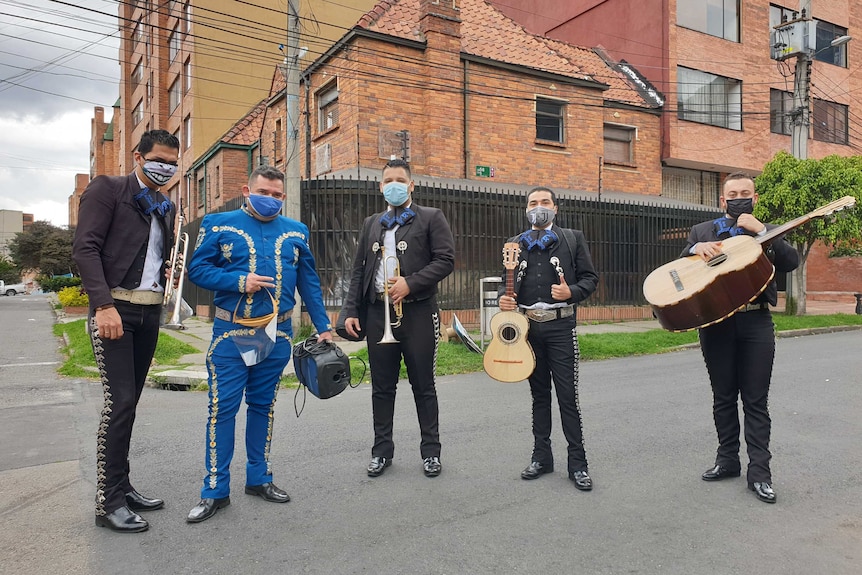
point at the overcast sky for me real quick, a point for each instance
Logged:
(58, 60)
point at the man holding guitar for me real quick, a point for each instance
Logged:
(554, 274)
(739, 350)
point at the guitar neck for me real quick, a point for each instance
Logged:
(510, 283)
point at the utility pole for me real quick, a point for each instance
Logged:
(801, 95)
(291, 101)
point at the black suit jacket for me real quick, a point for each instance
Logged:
(783, 256)
(110, 234)
(429, 257)
(577, 268)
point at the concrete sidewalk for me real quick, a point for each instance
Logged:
(198, 334)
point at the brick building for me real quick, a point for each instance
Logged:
(729, 104)
(465, 93)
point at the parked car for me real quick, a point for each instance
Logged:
(12, 289)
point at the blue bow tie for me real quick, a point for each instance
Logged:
(538, 239)
(396, 216)
(725, 227)
(148, 205)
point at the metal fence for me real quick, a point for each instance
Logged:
(627, 240)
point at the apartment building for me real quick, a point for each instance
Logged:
(729, 103)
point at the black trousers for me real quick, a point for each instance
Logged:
(123, 365)
(555, 344)
(739, 352)
(418, 338)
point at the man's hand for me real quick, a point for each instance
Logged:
(254, 283)
(398, 289)
(750, 223)
(109, 323)
(325, 336)
(508, 303)
(561, 291)
(707, 250)
(351, 326)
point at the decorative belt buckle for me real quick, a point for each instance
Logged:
(542, 315)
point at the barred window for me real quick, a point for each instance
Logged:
(709, 99)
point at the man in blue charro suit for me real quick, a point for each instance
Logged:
(253, 259)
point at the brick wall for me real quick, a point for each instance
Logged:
(832, 275)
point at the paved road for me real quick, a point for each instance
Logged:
(649, 436)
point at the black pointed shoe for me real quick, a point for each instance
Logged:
(536, 469)
(206, 509)
(582, 480)
(269, 492)
(123, 520)
(378, 465)
(431, 466)
(718, 473)
(137, 502)
(763, 491)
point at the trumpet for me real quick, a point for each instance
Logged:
(174, 309)
(388, 336)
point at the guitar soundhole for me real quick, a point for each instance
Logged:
(508, 334)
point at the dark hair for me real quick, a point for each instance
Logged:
(267, 173)
(399, 163)
(736, 176)
(153, 137)
(543, 189)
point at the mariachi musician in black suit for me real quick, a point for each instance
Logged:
(555, 273)
(739, 350)
(125, 234)
(420, 241)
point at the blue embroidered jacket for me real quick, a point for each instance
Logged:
(231, 245)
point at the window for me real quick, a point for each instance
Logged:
(549, 120)
(830, 121)
(138, 113)
(187, 132)
(202, 191)
(150, 85)
(824, 51)
(619, 148)
(327, 108)
(187, 16)
(780, 107)
(709, 99)
(173, 45)
(174, 95)
(714, 17)
(187, 74)
(217, 181)
(138, 75)
(138, 33)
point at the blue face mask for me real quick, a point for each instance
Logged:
(396, 193)
(265, 205)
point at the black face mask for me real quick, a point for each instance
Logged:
(736, 208)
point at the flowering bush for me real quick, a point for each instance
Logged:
(72, 296)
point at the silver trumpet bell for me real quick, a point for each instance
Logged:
(388, 336)
(175, 310)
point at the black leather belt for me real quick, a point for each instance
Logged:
(543, 315)
(381, 295)
(753, 307)
(226, 315)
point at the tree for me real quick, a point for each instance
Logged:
(790, 188)
(45, 248)
(9, 273)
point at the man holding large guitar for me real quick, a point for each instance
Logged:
(555, 273)
(740, 349)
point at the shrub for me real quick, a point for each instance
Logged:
(49, 284)
(72, 296)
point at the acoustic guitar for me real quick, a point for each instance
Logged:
(509, 357)
(690, 293)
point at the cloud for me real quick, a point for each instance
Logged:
(58, 62)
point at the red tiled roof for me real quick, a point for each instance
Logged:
(247, 130)
(486, 32)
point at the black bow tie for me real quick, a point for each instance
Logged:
(538, 239)
(148, 204)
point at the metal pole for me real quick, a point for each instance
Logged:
(292, 155)
(799, 134)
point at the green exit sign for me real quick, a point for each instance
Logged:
(484, 172)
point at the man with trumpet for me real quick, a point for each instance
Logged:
(254, 259)
(403, 253)
(123, 239)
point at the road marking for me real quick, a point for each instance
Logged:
(29, 364)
